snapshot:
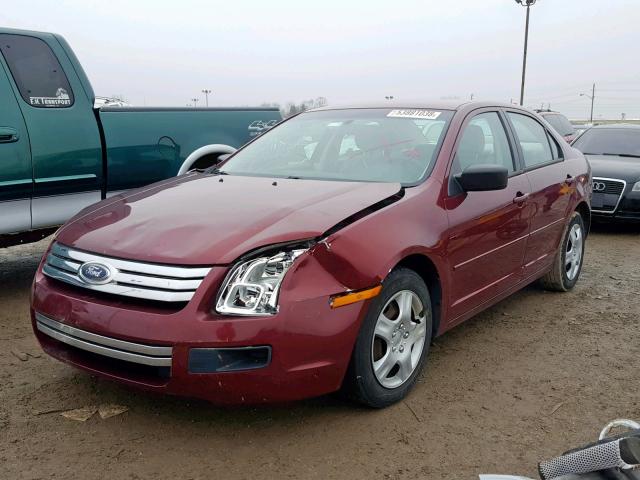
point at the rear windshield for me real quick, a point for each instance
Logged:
(609, 141)
(368, 145)
(560, 124)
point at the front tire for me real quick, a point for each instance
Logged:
(568, 262)
(393, 342)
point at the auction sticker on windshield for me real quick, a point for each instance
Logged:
(422, 114)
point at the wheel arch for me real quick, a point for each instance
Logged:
(208, 153)
(585, 212)
(426, 268)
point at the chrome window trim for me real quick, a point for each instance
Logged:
(624, 187)
(142, 280)
(154, 356)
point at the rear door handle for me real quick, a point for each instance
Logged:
(520, 198)
(8, 135)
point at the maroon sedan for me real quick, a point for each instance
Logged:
(324, 255)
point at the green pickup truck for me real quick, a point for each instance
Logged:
(58, 153)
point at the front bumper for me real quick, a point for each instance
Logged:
(149, 347)
(628, 210)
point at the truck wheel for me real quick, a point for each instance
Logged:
(393, 342)
(568, 262)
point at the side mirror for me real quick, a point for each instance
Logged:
(482, 178)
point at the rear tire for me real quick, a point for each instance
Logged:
(393, 342)
(567, 264)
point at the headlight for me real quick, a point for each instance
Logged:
(252, 286)
(636, 187)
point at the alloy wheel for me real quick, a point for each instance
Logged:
(573, 254)
(399, 338)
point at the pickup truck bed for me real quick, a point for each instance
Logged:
(145, 145)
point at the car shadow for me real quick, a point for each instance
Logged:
(616, 228)
(18, 265)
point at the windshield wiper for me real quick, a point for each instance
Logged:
(630, 155)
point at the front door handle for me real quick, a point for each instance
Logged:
(8, 135)
(520, 198)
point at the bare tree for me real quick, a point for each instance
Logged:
(292, 108)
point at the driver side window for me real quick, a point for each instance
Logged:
(484, 142)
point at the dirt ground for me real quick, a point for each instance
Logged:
(536, 374)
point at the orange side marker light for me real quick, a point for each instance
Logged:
(352, 297)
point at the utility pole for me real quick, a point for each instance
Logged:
(528, 4)
(206, 96)
(195, 102)
(592, 97)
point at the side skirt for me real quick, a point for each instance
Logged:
(498, 298)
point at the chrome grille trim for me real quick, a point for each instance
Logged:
(146, 281)
(607, 182)
(154, 356)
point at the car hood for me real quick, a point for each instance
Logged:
(609, 166)
(204, 219)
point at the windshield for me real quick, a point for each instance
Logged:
(560, 124)
(367, 145)
(609, 141)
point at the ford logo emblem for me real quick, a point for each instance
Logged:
(95, 273)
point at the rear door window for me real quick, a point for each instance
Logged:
(533, 140)
(37, 72)
(556, 151)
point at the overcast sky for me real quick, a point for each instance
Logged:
(158, 52)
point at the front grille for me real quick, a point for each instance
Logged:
(607, 193)
(614, 187)
(126, 278)
(151, 355)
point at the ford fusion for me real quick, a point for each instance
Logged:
(325, 255)
(614, 154)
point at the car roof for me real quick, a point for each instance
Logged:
(629, 126)
(423, 104)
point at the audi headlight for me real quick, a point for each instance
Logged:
(252, 286)
(636, 187)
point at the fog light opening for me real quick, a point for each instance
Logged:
(216, 360)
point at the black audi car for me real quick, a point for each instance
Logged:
(614, 154)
